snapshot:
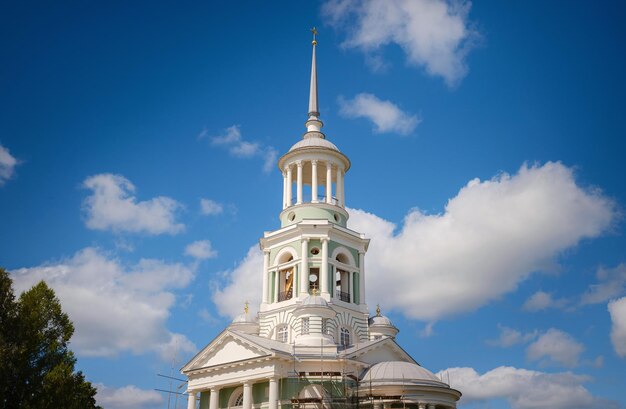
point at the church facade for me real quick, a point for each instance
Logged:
(313, 344)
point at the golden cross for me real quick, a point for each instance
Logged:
(378, 310)
(314, 31)
(245, 308)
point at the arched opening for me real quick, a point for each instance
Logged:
(286, 276)
(342, 279)
(236, 398)
(313, 397)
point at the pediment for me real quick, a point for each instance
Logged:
(227, 348)
(386, 350)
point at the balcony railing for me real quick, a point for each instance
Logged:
(342, 296)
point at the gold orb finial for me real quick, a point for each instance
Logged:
(378, 310)
(245, 307)
(314, 31)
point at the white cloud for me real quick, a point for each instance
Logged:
(612, 283)
(491, 236)
(127, 397)
(240, 148)
(434, 34)
(201, 250)
(113, 206)
(525, 389)
(210, 207)
(509, 337)
(385, 115)
(557, 347)
(114, 307)
(542, 301)
(617, 310)
(243, 284)
(7, 165)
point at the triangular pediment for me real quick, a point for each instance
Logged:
(227, 348)
(382, 351)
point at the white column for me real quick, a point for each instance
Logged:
(304, 269)
(276, 285)
(299, 183)
(339, 186)
(324, 269)
(421, 405)
(266, 265)
(284, 190)
(431, 406)
(273, 394)
(289, 185)
(351, 285)
(214, 398)
(191, 400)
(247, 395)
(314, 181)
(329, 182)
(362, 277)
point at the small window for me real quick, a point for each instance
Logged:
(325, 328)
(315, 251)
(377, 337)
(336, 217)
(291, 217)
(305, 326)
(345, 337)
(282, 333)
(239, 400)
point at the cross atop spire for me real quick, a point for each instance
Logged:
(313, 124)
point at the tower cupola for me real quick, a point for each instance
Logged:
(315, 167)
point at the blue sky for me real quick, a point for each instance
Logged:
(486, 141)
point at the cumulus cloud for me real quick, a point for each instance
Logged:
(489, 238)
(617, 310)
(7, 165)
(114, 307)
(243, 284)
(492, 235)
(555, 347)
(385, 115)
(210, 207)
(509, 337)
(113, 206)
(612, 283)
(525, 389)
(127, 397)
(201, 250)
(434, 34)
(232, 140)
(541, 300)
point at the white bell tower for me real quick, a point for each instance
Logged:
(314, 266)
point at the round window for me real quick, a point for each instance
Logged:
(291, 217)
(337, 218)
(315, 251)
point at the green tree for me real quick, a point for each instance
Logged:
(36, 365)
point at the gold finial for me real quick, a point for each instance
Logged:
(315, 291)
(314, 31)
(245, 307)
(378, 310)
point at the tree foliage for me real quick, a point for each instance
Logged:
(36, 365)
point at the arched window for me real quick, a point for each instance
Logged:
(285, 275)
(344, 336)
(236, 398)
(282, 333)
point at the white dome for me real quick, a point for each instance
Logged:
(398, 372)
(380, 320)
(314, 142)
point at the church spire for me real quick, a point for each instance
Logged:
(313, 124)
